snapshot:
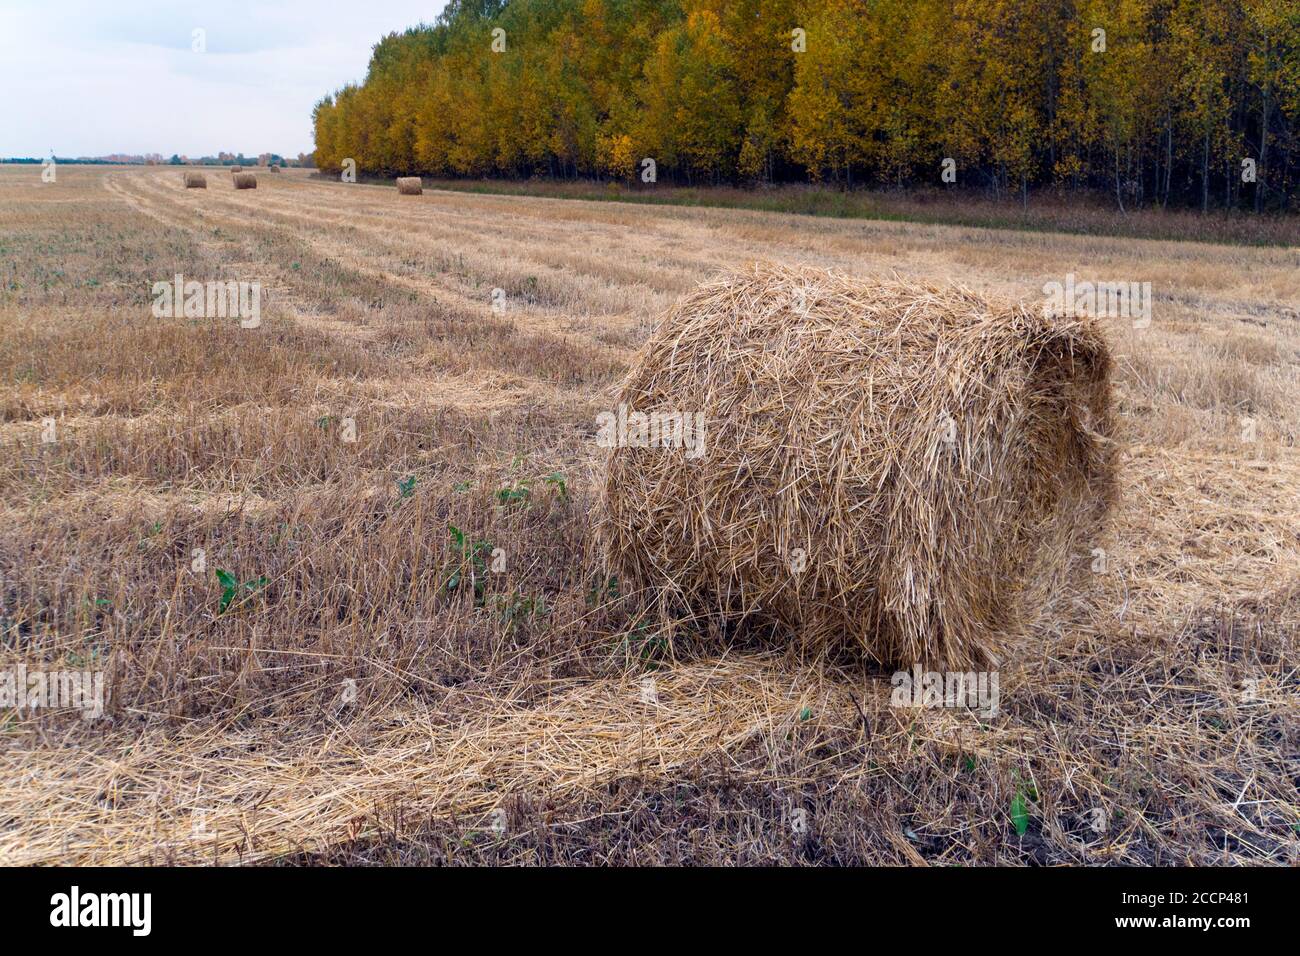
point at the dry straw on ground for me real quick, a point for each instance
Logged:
(196, 181)
(908, 466)
(245, 181)
(1154, 723)
(130, 805)
(409, 185)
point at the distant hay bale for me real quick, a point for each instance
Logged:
(274, 169)
(409, 185)
(196, 181)
(903, 470)
(245, 181)
(236, 169)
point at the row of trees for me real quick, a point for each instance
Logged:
(1190, 101)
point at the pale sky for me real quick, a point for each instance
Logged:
(91, 77)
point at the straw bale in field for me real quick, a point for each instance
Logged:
(905, 469)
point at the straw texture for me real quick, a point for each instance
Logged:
(904, 469)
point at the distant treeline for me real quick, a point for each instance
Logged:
(1192, 102)
(225, 159)
(58, 160)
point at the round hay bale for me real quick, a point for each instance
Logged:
(245, 181)
(195, 181)
(274, 169)
(409, 185)
(905, 471)
(236, 169)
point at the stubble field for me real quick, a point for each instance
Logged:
(374, 690)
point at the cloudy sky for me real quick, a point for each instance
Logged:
(91, 77)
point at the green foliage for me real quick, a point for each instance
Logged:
(1020, 806)
(556, 481)
(603, 592)
(513, 494)
(647, 647)
(470, 557)
(1019, 813)
(231, 588)
(516, 606)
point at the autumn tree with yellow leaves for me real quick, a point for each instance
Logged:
(1195, 102)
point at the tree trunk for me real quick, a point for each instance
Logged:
(1263, 155)
(1205, 175)
(1119, 196)
(1169, 158)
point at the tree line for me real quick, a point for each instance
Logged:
(1190, 102)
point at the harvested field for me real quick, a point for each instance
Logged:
(340, 572)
